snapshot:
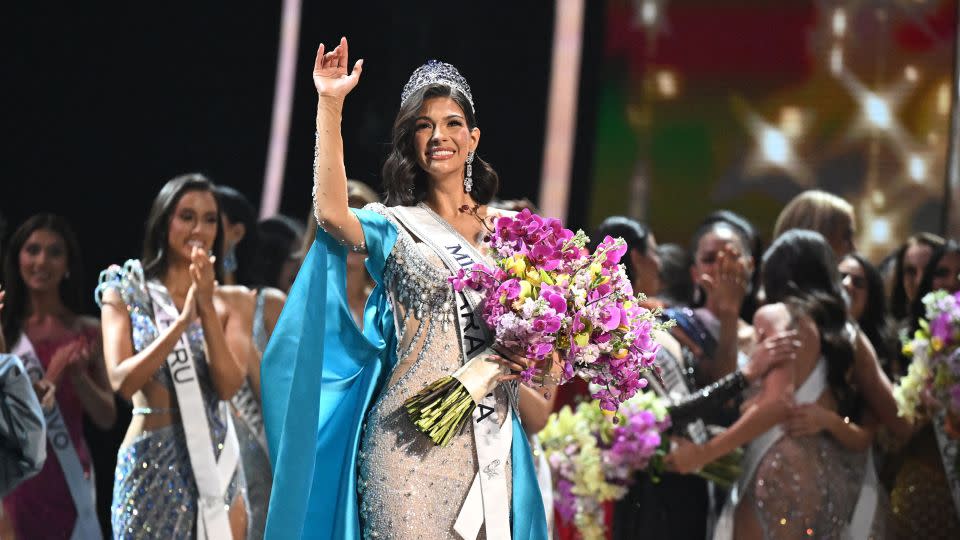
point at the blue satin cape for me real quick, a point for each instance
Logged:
(319, 376)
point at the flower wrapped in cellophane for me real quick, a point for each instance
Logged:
(548, 298)
(933, 377)
(594, 460)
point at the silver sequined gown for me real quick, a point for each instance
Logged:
(248, 419)
(408, 487)
(807, 487)
(154, 493)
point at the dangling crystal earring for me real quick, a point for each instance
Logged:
(468, 179)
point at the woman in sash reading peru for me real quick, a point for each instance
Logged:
(59, 348)
(166, 328)
(348, 462)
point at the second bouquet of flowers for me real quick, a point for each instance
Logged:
(933, 378)
(548, 298)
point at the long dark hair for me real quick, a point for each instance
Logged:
(899, 304)
(15, 309)
(280, 238)
(917, 309)
(799, 270)
(634, 233)
(238, 209)
(676, 285)
(155, 240)
(874, 321)
(404, 181)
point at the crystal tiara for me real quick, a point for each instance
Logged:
(436, 72)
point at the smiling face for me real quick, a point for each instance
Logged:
(193, 223)
(855, 283)
(43, 260)
(442, 138)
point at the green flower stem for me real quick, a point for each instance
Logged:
(441, 409)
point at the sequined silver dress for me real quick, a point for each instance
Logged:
(808, 487)
(408, 487)
(154, 493)
(252, 438)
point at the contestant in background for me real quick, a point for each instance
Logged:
(260, 306)
(925, 492)
(808, 476)
(59, 348)
(715, 340)
(677, 505)
(165, 326)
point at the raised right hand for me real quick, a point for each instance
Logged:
(330, 75)
(727, 284)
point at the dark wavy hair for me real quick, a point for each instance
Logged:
(15, 309)
(634, 233)
(799, 269)
(899, 304)
(155, 240)
(875, 322)
(676, 285)
(404, 181)
(237, 209)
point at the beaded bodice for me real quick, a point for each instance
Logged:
(404, 480)
(129, 282)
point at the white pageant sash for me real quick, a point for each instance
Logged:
(211, 475)
(809, 392)
(487, 502)
(866, 507)
(949, 449)
(82, 488)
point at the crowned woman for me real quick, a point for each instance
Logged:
(348, 461)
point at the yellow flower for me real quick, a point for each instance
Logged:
(595, 269)
(515, 265)
(908, 348)
(525, 289)
(582, 339)
(621, 353)
(936, 344)
(533, 276)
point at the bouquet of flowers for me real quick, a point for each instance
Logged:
(547, 298)
(594, 460)
(933, 377)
